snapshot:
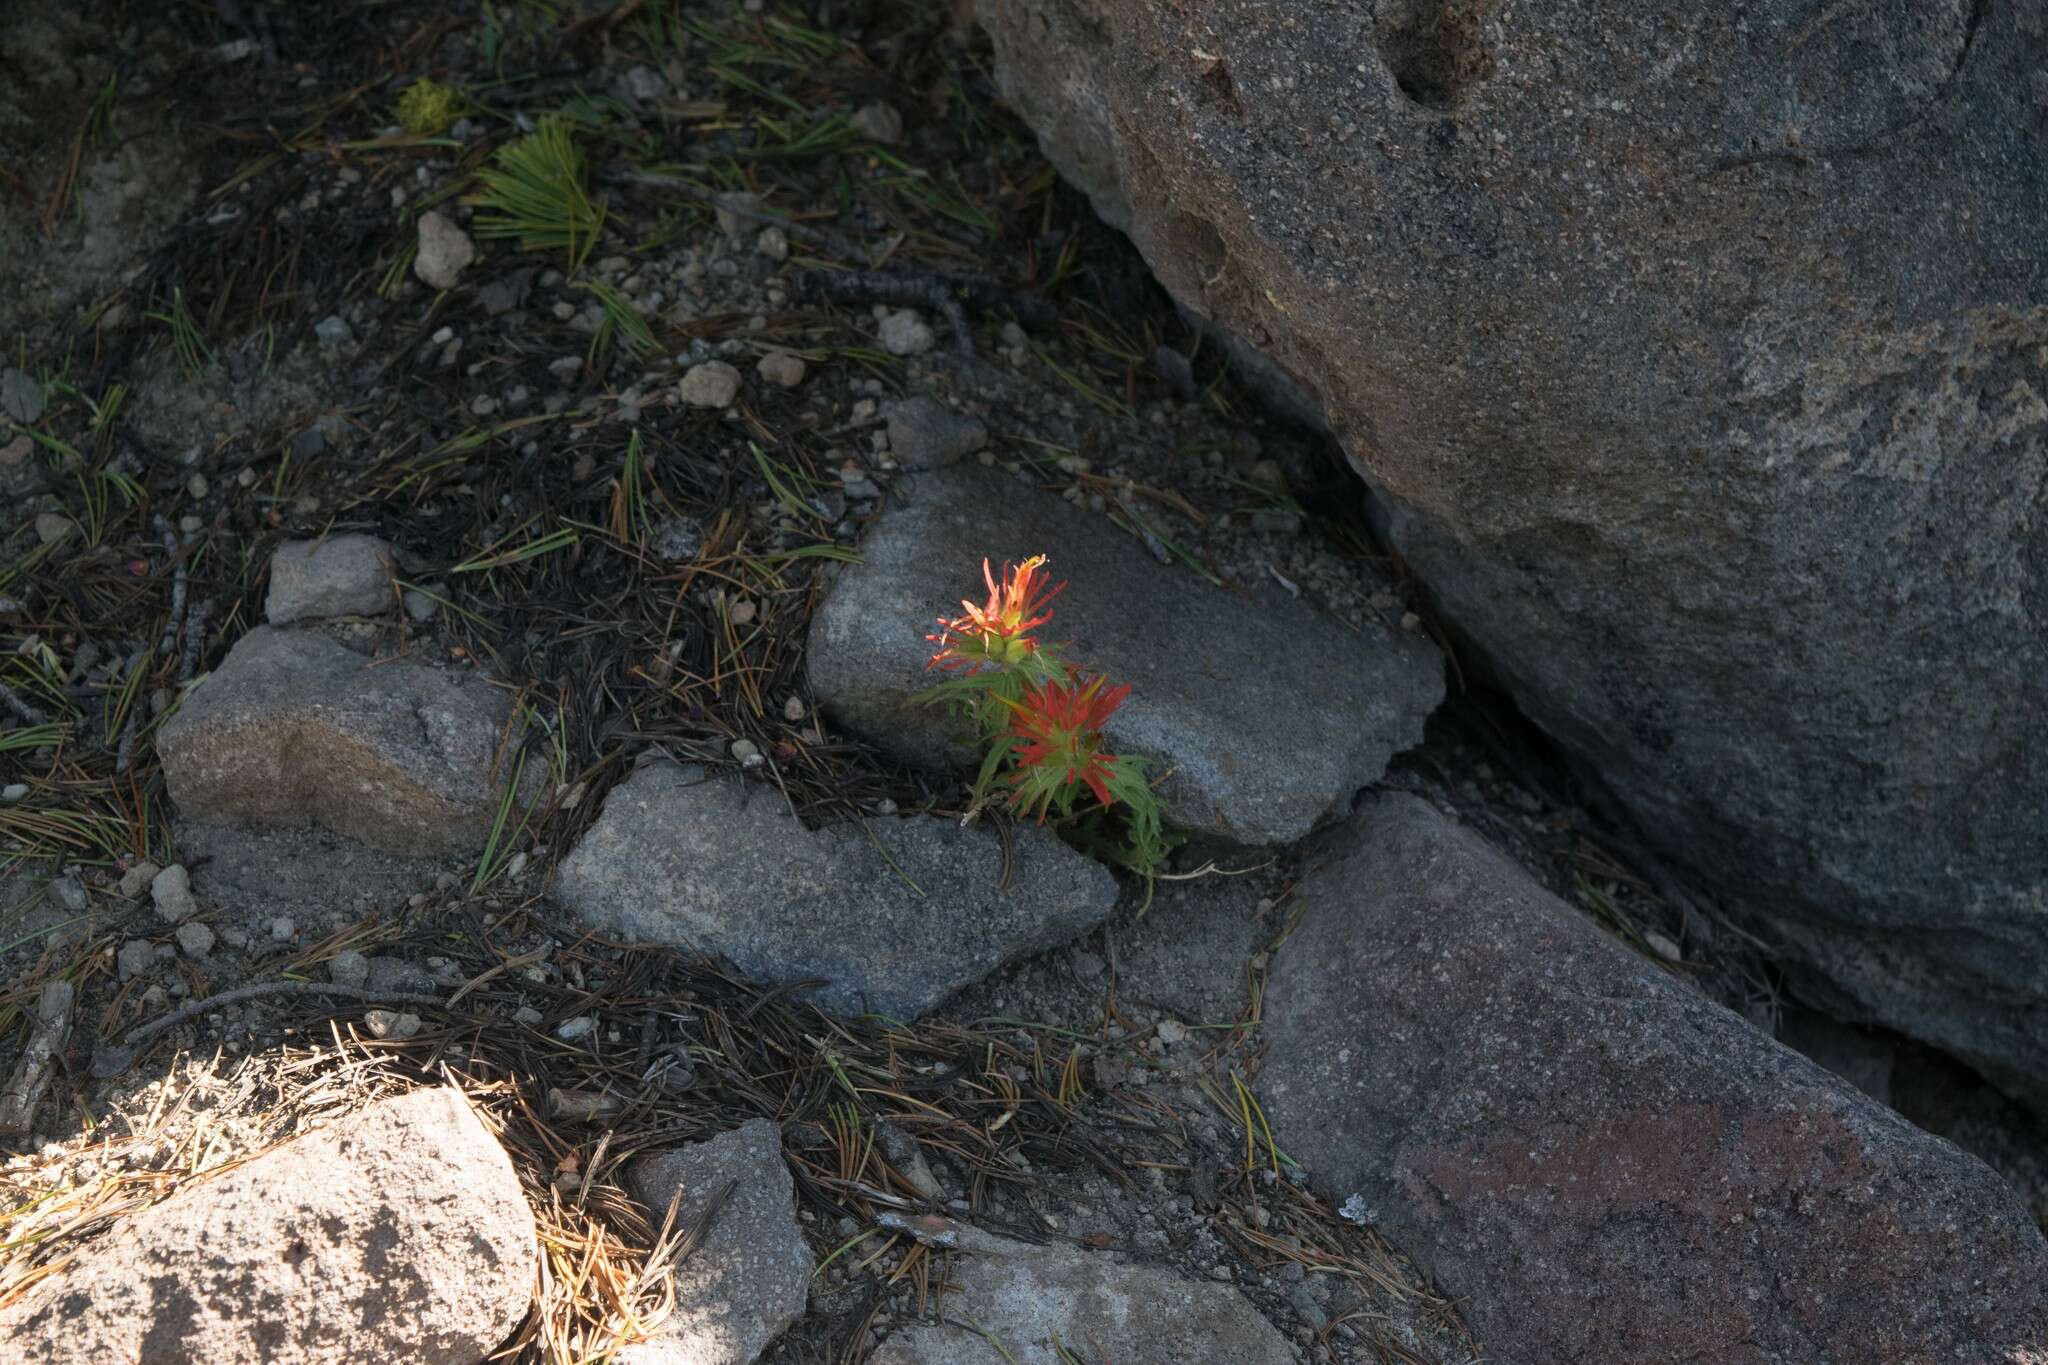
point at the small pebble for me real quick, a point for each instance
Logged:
(137, 956)
(390, 1024)
(782, 369)
(70, 893)
(195, 939)
(171, 890)
(444, 251)
(136, 879)
(879, 121)
(282, 929)
(1663, 946)
(746, 751)
(197, 485)
(527, 1015)
(793, 709)
(713, 384)
(348, 968)
(905, 333)
(13, 792)
(577, 1029)
(773, 243)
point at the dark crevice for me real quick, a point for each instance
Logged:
(1437, 50)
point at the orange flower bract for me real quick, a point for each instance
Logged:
(998, 632)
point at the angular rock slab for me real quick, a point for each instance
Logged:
(719, 866)
(294, 729)
(397, 1235)
(346, 575)
(1038, 1300)
(751, 1276)
(1269, 713)
(1598, 1163)
(1724, 447)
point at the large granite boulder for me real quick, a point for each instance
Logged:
(1698, 358)
(1596, 1161)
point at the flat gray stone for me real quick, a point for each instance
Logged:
(719, 866)
(396, 1234)
(749, 1279)
(345, 575)
(293, 729)
(1269, 714)
(1596, 1161)
(1037, 1300)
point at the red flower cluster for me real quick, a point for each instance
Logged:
(1059, 729)
(1041, 718)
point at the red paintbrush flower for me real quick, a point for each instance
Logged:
(1060, 729)
(1000, 631)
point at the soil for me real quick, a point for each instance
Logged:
(192, 195)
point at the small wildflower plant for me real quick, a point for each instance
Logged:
(1041, 719)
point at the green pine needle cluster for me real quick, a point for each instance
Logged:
(535, 194)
